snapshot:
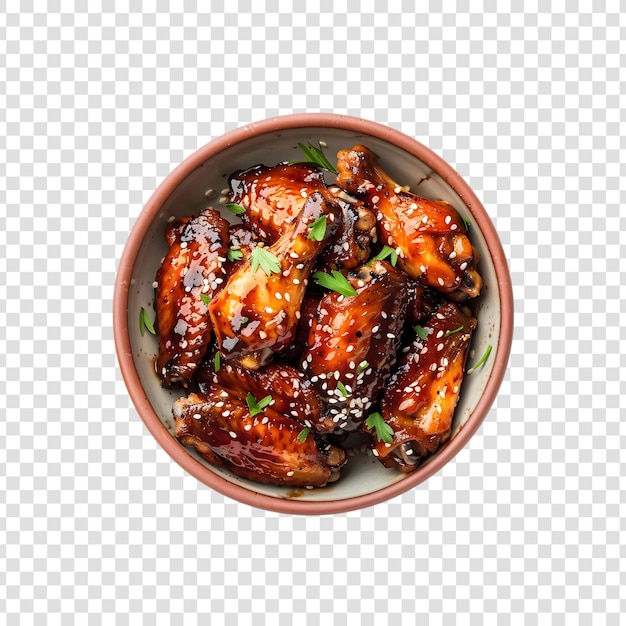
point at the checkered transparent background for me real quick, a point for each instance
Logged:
(98, 525)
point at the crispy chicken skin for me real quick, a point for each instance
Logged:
(291, 391)
(266, 447)
(354, 340)
(256, 312)
(421, 396)
(192, 267)
(274, 196)
(429, 235)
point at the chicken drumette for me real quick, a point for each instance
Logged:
(272, 198)
(428, 235)
(259, 308)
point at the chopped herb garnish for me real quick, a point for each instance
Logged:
(145, 323)
(362, 367)
(206, 299)
(237, 209)
(303, 434)
(257, 407)
(342, 389)
(317, 156)
(268, 262)
(337, 282)
(422, 333)
(383, 431)
(317, 229)
(466, 222)
(234, 255)
(453, 332)
(387, 251)
(217, 361)
(244, 320)
(482, 360)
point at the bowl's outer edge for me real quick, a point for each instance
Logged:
(120, 313)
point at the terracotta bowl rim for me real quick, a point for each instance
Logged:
(502, 345)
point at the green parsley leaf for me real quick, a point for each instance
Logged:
(454, 332)
(421, 332)
(302, 435)
(316, 156)
(145, 323)
(337, 282)
(234, 255)
(317, 229)
(269, 262)
(205, 298)
(237, 209)
(217, 361)
(342, 389)
(466, 222)
(387, 251)
(362, 367)
(257, 407)
(383, 431)
(482, 360)
(244, 320)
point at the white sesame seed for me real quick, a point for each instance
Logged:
(262, 334)
(278, 295)
(294, 255)
(298, 315)
(390, 336)
(424, 219)
(304, 365)
(448, 219)
(350, 348)
(170, 219)
(225, 413)
(452, 255)
(265, 420)
(183, 244)
(155, 284)
(463, 266)
(296, 281)
(247, 427)
(440, 347)
(197, 416)
(232, 434)
(453, 227)
(287, 297)
(269, 309)
(423, 269)
(290, 473)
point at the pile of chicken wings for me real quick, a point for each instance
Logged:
(333, 316)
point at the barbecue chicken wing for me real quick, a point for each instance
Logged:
(274, 196)
(266, 447)
(259, 308)
(292, 393)
(429, 235)
(191, 273)
(419, 401)
(353, 342)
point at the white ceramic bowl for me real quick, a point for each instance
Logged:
(364, 480)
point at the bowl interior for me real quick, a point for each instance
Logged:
(363, 473)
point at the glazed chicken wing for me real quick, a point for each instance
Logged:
(428, 235)
(291, 391)
(353, 342)
(266, 446)
(259, 308)
(274, 196)
(190, 274)
(419, 401)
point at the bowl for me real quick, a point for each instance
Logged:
(364, 481)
